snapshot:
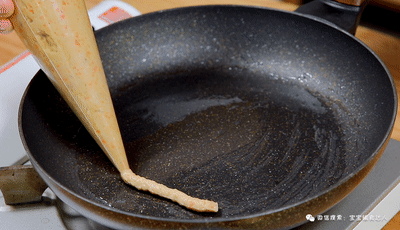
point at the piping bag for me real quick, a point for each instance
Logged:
(59, 35)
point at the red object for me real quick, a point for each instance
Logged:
(114, 14)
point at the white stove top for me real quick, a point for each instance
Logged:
(370, 206)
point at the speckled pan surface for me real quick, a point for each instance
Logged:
(259, 110)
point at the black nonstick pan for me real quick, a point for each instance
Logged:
(272, 114)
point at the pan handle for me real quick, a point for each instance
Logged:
(20, 183)
(345, 14)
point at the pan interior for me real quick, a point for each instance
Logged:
(252, 146)
(255, 134)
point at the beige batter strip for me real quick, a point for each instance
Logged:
(175, 195)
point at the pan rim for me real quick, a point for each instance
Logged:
(259, 214)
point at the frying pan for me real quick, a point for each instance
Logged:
(273, 114)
